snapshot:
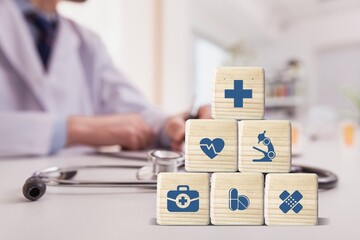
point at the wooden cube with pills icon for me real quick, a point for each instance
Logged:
(183, 199)
(237, 199)
(291, 199)
(211, 145)
(238, 93)
(264, 146)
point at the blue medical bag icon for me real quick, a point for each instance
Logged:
(291, 201)
(183, 199)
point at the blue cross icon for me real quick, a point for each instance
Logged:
(182, 200)
(238, 93)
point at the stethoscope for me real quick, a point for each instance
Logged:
(159, 161)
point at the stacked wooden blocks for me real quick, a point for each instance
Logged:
(237, 139)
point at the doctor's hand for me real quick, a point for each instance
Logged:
(127, 130)
(175, 126)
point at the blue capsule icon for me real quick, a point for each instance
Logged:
(237, 202)
(233, 199)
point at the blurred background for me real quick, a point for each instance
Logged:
(310, 50)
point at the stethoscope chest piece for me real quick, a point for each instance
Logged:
(161, 161)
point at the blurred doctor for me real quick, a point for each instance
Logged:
(59, 88)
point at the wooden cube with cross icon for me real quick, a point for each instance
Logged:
(291, 199)
(264, 146)
(238, 93)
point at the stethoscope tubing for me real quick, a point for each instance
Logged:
(35, 186)
(326, 178)
(73, 183)
(65, 175)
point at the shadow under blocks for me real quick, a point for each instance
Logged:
(226, 159)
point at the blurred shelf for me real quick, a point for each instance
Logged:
(283, 102)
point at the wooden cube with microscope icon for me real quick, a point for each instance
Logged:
(264, 146)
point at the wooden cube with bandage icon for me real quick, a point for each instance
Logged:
(291, 199)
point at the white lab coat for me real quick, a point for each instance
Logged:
(81, 80)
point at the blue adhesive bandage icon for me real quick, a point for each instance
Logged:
(291, 201)
(238, 93)
(212, 147)
(270, 154)
(237, 202)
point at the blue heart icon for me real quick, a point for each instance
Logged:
(212, 147)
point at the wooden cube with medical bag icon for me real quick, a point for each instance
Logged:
(183, 199)
(264, 146)
(238, 93)
(211, 145)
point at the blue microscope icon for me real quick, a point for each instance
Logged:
(270, 154)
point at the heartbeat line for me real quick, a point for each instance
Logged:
(210, 147)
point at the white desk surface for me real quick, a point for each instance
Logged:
(73, 213)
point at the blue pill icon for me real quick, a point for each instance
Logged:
(237, 202)
(243, 202)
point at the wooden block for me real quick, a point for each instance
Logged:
(237, 199)
(238, 93)
(264, 146)
(291, 199)
(211, 145)
(183, 199)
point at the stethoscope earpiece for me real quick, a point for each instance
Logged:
(34, 188)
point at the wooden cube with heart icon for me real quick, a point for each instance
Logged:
(211, 145)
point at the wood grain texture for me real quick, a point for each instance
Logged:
(253, 78)
(170, 181)
(248, 184)
(278, 131)
(196, 160)
(306, 184)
